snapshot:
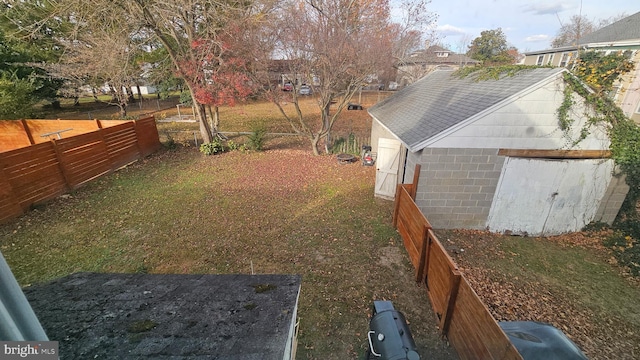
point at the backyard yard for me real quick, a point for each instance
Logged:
(283, 210)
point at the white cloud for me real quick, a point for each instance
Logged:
(547, 9)
(450, 30)
(537, 38)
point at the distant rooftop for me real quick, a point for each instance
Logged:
(122, 316)
(623, 30)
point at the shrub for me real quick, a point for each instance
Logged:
(257, 137)
(212, 148)
(170, 143)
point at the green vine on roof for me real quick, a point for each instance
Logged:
(483, 73)
(592, 77)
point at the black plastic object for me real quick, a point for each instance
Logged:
(540, 341)
(389, 335)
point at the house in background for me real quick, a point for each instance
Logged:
(493, 156)
(421, 63)
(620, 36)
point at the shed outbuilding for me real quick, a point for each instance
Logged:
(492, 154)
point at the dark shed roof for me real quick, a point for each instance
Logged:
(138, 316)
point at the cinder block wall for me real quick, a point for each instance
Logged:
(456, 186)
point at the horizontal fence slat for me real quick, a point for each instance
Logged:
(41, 172)
(462, 316)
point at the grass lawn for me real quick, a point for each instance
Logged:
(286, 211)
(279, 211)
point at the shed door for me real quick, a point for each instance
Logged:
(387, 165)
(548, 197)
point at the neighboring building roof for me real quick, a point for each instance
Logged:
(439, 101)
(437, 55)
(627, 29)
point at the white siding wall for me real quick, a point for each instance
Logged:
(548, 197)
(529, 122)
(377, 132)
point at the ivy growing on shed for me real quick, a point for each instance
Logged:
(592, 77)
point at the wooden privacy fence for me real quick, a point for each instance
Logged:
(462, 317)
(45, 170)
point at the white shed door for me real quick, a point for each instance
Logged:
(548, 197)
(387, 165)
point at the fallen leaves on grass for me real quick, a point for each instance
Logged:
(511, 298)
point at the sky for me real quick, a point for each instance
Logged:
(528, 25)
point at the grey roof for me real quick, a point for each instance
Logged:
(624, 29)
(440, 101)
(151, 316)
(429, 56)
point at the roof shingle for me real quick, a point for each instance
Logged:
(439, 101)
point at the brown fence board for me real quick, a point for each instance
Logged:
(83, 157)
(41, 172)
(439, 276)
(148, 138)
(40, 127)
(33, 173)
(12, 135)
(108, 123)
(122, 144)
(462, 317)
(9, 206)
(411, 224)
(473, 331)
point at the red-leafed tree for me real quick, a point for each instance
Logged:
(204, 40)
(216, 75)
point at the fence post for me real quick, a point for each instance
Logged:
(427, 255)
(423, 254)
(396, 207)
(63, 168)
(27, 131)
(416, 178)
(451, 301)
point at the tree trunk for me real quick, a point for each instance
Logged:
(205, 130)
(123, 110)
(139, 93)
(200, 113)
(215, 118)
(326, 126)
(315, 140)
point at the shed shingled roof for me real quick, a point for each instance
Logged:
(439, 101)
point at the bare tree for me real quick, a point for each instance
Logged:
(414, 31)
(578, 26)
(334, 46)
(570, 32)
